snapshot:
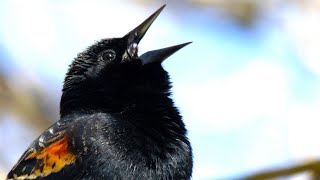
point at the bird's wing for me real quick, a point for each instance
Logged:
(48, 154)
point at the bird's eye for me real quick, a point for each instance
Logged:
(109, 55)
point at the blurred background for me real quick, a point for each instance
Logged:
(248, 86)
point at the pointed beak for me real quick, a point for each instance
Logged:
(137, 33)
(134, 37)
(159, 55)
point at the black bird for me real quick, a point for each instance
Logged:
(117, 118)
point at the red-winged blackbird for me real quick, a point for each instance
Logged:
(117, 118)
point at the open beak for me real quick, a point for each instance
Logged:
(137, 34)
(160, 55)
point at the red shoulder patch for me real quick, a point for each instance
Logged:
(50, 159)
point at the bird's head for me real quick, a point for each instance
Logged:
(110, 75)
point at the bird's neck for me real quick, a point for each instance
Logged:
(145, 92)
(157, 105)
(93, 99)
(156, 114)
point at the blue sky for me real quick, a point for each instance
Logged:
(248, 97)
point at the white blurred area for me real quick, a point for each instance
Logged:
(249, 92)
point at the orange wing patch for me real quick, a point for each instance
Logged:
(52, 159)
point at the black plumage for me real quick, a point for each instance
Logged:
(117, 119)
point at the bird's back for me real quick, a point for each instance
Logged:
(125, 146)
(106, 146)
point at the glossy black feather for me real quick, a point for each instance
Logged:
(119, 119)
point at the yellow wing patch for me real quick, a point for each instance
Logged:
(52, 158)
